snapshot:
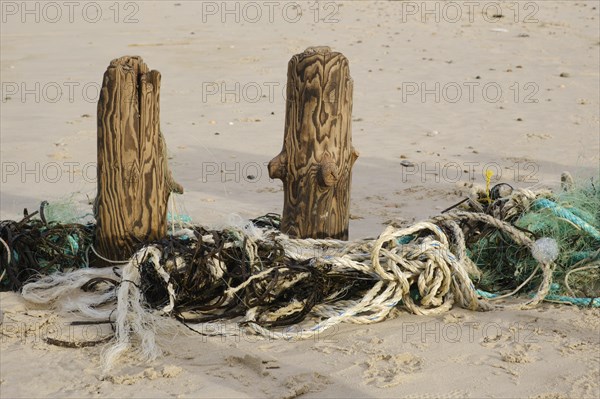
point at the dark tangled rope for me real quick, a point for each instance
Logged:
(37, 248)
(200, 297)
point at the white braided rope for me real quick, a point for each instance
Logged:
(433, 265)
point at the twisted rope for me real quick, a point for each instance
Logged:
(425, 275)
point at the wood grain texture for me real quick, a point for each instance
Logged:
(316, 161)
(134, 181)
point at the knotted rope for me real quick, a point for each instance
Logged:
(278, 281)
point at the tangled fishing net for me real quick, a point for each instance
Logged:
(567, 227)
(499, 240)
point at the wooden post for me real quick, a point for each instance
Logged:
(134, 181)
(316, 162)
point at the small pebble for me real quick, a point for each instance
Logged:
(565, 75)
(407, 164)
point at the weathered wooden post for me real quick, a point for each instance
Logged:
(316, 162)
(134, 181)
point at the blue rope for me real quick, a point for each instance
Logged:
(485, 294)
(594, 302)
(543, 203)
(178, 218)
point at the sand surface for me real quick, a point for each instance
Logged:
(550, 352)
(422, 133)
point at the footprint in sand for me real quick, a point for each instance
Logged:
(586, 386)
(254, 363)
(455, 394)
(550, 395)
(304, 383)
(169, 371)
(385, 371)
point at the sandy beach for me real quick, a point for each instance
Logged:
(443, 91)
